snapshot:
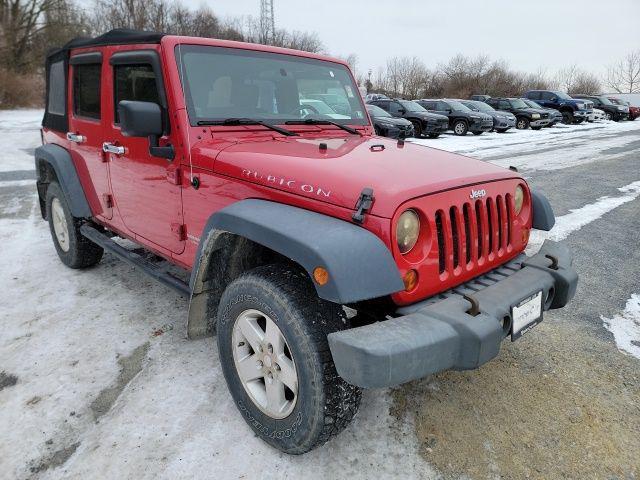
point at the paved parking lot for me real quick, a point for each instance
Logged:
(97, 380)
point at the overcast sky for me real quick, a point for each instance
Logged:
(528, 33)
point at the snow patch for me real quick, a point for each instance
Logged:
(20, 136)
(579, 217)
(625, 327)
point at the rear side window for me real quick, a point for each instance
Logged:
(86, 90)
(442, 106)
(533, 95)
(504, 105)
(56, 89)
(134, 82)
(548, 96)
(395, 107)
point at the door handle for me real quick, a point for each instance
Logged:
(76, 137)
(111, 148)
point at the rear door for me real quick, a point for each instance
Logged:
(86, 128)
(146, 189)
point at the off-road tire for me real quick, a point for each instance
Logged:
(567, 117)
(81, 252)
(460, 128)
(522, 123)
(325, 403)
(417, 128)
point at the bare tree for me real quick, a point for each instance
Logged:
(624, 76)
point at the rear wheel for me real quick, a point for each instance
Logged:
(522, 123)
(433, 135)
(460, 127)
(74, 250)
(272, 340)
(609, 116)
(478, 133)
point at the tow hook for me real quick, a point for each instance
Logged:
(554, 262)
(363, 205)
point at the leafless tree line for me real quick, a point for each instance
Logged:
(462, 76)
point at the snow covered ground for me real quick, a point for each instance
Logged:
(97, 381)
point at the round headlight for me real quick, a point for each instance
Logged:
(518, 199)
(407, 231)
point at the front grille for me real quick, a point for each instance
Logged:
(478, 232)
(545, 115)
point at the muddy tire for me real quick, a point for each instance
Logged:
(74, 250)
(522, 123)
(272, 341)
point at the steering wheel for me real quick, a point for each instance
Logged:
(301, 108)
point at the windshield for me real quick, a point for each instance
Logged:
(480, 106)
(616, 101)
(455, 105)
(411, 106)
(517, 103)
(605, 101)
(562, 95)
(222, 83)
(531, 103)
(376, 111)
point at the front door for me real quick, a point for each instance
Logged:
(86, 123)
(146, 189)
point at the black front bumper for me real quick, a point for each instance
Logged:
(440, 334)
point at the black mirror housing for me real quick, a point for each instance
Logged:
(140, 119)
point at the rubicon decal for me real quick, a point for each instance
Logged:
(477, 194)
(286, 182)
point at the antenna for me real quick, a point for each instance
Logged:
(267, 22)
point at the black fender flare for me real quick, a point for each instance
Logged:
(60, 160)
(360, 265)
(543, 216)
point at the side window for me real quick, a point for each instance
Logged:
(383, 105)
(394, 108)
(57, 87)
(547, 95)
(134, 82)
(442, 106)
(429, 105)
(86, 90)
(504, 105)
(533, 95)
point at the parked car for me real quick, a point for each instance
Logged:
(424, 123)
(375, 96)
(387, 125)
(312, 106)
(502, 121)
(554, 115)
(611, 110)
(525, 115)
(573, 110)
(276, 220)
(461, 118)
(480, 98)
(634, 112)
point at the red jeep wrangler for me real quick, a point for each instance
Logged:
(325, 258)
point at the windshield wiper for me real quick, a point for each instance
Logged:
(316, 121)
(248, 121)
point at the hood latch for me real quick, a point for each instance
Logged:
(363, 205)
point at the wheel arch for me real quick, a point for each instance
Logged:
(54, 163)
(252, 232)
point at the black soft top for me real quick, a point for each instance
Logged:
(56, 118)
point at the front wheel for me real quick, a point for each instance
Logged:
(609, 116)
(272, 340)
(73, 248)
(522, 123)
(417, 128)
(567, 117)
(460, 127)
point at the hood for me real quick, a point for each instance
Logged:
(392, 121)
(502, 112)
(349, 164)
(428, 116)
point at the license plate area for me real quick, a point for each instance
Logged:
(526, 315)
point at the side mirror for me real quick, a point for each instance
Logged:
(144, 119)
(553, 99)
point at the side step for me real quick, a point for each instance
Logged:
(136, 260)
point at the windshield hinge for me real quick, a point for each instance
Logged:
(363, 205)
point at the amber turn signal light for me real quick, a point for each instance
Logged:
(410, 280)
(525, 235)
(320, 275)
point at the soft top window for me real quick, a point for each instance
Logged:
(57, 97)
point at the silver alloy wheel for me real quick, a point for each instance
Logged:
(459, 128)
(521, 124)
(609, 116)
(264, 363)
(60, 224)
